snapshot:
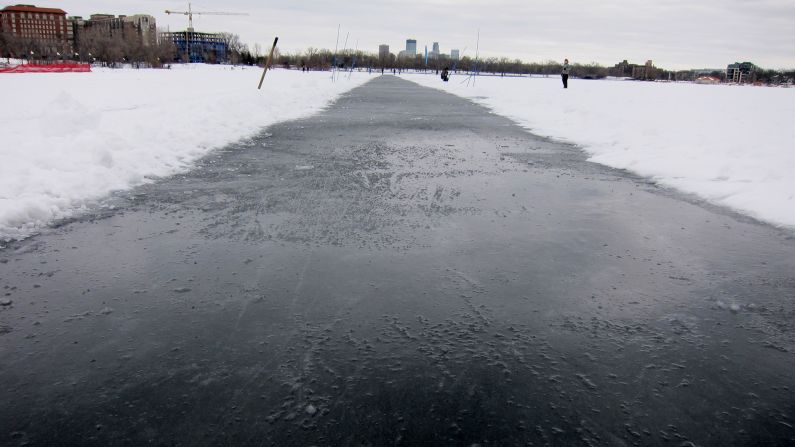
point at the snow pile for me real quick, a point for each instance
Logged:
(70, 139)
(731, 145)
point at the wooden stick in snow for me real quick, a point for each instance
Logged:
(268, 63)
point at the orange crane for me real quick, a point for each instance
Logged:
(190, 13)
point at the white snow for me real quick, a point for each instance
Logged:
(731, 145)
(69, 139)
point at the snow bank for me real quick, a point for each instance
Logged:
(67, 140)
(731, 145)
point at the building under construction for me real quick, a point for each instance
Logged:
(196, 47)
(740, 73)
(193, 46)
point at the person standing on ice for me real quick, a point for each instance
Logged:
(564, 73)
(445, 75)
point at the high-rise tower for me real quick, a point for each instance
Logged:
(411, 46)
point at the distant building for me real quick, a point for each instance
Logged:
(645, 72)
(624, 69)
(741, 72)
(45, 28)
(435, 52)
(140, 28)
(101, 17)
(199, 47)
(74, 25)
(411, 50)
(707, 80)
(454, 55)
(383, 52)
(411, 46)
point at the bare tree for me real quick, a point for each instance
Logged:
(5, 45)
(164, 51)
(21, 47)
(233, 45)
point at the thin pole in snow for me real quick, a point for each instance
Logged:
(473, 72)
(477, 54)
(354, 58)
(344, 46)
(336, 48)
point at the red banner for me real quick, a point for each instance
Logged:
(66, 67)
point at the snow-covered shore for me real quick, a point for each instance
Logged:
(732, 145)
(67, 140)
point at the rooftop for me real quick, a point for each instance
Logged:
(31, 8)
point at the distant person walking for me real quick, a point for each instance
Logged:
(564, 73)
(445, 75)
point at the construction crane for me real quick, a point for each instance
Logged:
(190, 13)
(190, 34)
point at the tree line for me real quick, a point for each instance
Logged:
(94, 44)
(323, 59)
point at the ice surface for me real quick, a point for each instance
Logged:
(69, 139)
(732, 145)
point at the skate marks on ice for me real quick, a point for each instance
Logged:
(354, 279)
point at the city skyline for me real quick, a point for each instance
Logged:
(673, 33)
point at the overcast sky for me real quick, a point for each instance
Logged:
(675, 34)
